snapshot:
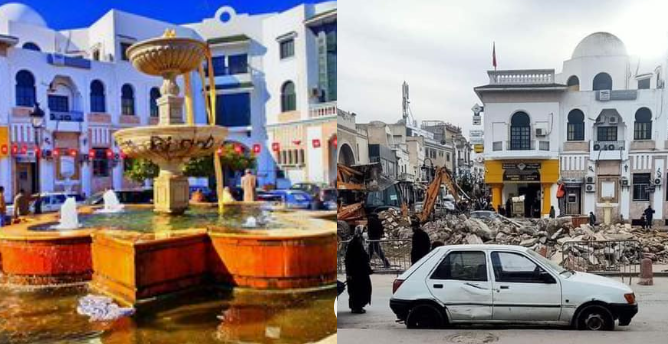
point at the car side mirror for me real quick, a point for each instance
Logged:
(546, 277)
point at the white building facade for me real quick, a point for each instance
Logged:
(87, 88)
(598, 126)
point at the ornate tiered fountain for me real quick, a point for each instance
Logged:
(171, 143)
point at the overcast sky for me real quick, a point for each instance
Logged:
(443, 48)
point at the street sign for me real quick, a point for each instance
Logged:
(477, 109)
(477, 120)
(475, 133)
(478, 148)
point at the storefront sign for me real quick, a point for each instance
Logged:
(521, 166)
(516, 175)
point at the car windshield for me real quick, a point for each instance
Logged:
(550, 264)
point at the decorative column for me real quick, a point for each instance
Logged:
(547, 199)
(497, 195)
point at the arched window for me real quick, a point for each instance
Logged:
(97, 101)
(602, 81)
(154, 94)
(288, 97)
(520, 132)
(127, 100)
(25, 88)
(642, 128)
(575, 130)
(31, 46)
(573, 83)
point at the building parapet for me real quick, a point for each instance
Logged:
(521, 77)
(323, 110)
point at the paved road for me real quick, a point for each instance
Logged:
(378, 325)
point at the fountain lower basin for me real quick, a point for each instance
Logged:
(136, 267)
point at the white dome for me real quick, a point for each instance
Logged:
(21, 13)
(599, 44)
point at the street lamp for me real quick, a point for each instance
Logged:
(37, 121)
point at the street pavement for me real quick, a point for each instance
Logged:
(649, 326)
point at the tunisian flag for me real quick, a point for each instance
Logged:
(494, 55)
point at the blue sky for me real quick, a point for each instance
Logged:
(67, 14)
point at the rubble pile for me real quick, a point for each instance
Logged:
(549, 237)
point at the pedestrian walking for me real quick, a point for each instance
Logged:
(21, 205)
(592, 219)
(376, 231)
(421, 243)
(248, 184)
(509, 206)
(3, 207)
(358, 271)
(649, 216)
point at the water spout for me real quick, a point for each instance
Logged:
(111, 203)
(69, 219)
(251, 222)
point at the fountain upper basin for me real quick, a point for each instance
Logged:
(176, 55)
(177, 142)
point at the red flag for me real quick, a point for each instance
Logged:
(494, 55)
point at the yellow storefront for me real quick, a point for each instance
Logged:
(534, 173)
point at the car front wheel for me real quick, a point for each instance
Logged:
(425, 316)
(595, 318)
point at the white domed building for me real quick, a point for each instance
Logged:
(596, 126)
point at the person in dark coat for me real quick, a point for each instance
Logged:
(376, 231)
(509, 206)
(649, 216)
(421, 243)
(552, 212)
(358, 271)
(592, 219)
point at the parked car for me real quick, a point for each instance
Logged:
(506, 284)
(485, 215)
(314, 191)
(293, 199)
(130, 196)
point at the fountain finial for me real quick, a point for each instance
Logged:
(169, 33)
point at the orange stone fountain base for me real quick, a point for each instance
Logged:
(44, 258)
(136, 268)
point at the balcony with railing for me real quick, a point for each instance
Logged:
(322, 110)
(521, 77)
(608, 150)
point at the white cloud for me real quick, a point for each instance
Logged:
(443, 48)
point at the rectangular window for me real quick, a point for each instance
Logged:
(447, 157)
(607, 133)
(520, 138)
(576, 132)
(640, 183)
(462, 266)
(642, 130)
(233, 110)
(124, 51)
(643, 84)
(97, 103)
(238, 64)
(59, 103)
(218, 64)
(25, 95)
(100, 163)
(287, 48)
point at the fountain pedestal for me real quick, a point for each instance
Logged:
(170, 193)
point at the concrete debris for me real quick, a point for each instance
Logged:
(550, 237)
